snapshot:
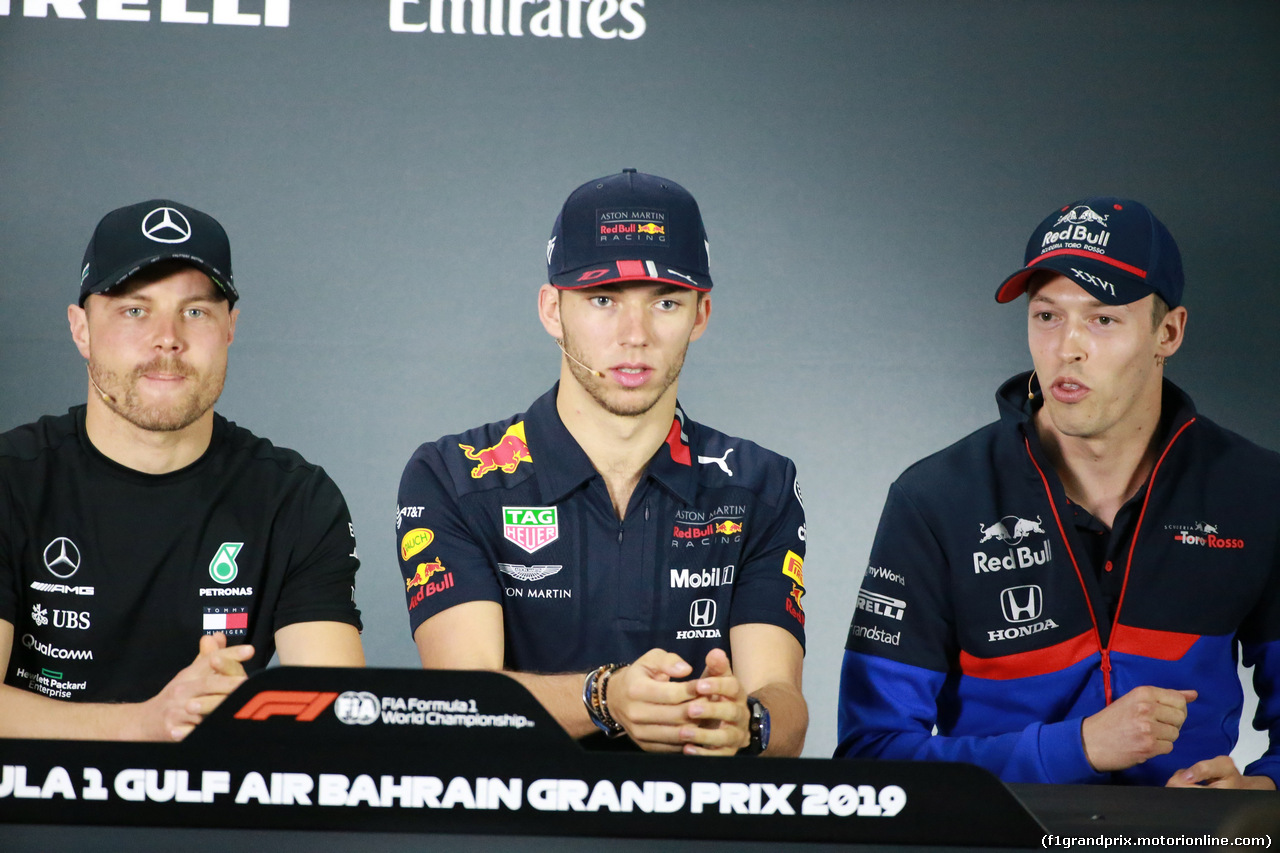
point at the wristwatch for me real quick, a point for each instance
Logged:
(759, 727)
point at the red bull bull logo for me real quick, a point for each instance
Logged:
(505, 456)
(728, 527)
(423, 574)
(650, 228)
(422, 579)
(794, 607)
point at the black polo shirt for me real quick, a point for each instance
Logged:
(514, 512)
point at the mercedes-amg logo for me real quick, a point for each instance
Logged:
(62, 557)
(166, 225)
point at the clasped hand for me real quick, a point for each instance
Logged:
(703, 716)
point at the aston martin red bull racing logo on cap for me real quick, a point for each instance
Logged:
(506, 455)
(631, 227)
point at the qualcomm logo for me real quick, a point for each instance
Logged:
(1079, 215)
(62, 557)
(357, 708)
(1020, 528)
(166, 225)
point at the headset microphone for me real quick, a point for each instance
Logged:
(591, 370)
(106, 398)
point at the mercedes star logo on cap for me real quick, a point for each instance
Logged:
(166, 225)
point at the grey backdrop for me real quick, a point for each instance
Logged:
(869, 171)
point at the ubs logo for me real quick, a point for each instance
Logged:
(702, 613)
(62, 557)
(1022, 603)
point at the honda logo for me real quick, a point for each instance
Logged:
(1022, 603)
(702, 613)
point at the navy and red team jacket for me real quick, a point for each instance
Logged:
(980, 613)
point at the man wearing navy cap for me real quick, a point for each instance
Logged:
(603, 547)
(1062, 593)
(151, 551)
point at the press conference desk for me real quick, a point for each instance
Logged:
(399, 760)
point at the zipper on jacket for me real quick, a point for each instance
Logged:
(1105, 651)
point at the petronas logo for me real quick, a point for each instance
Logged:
(222, 567)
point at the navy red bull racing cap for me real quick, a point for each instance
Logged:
(130, 238)
(1114, 248)
(629, 227)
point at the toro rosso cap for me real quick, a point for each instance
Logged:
(629, 227)
(1114, 248)
(131, 238)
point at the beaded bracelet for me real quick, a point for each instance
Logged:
(593, 698)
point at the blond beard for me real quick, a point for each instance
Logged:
(121, 395)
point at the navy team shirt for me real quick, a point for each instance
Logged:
(514, 512)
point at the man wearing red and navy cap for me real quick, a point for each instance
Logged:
(639, 572)
(1061, 596)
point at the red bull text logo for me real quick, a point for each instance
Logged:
(724, 528)
(794, 607)
(505, 456)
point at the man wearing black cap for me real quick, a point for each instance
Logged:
(603, 547)
(1062, 593)
(141, 530)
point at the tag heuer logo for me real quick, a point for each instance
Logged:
(223, 568)
(530, 527)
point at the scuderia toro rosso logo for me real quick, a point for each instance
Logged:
(1202, 534)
